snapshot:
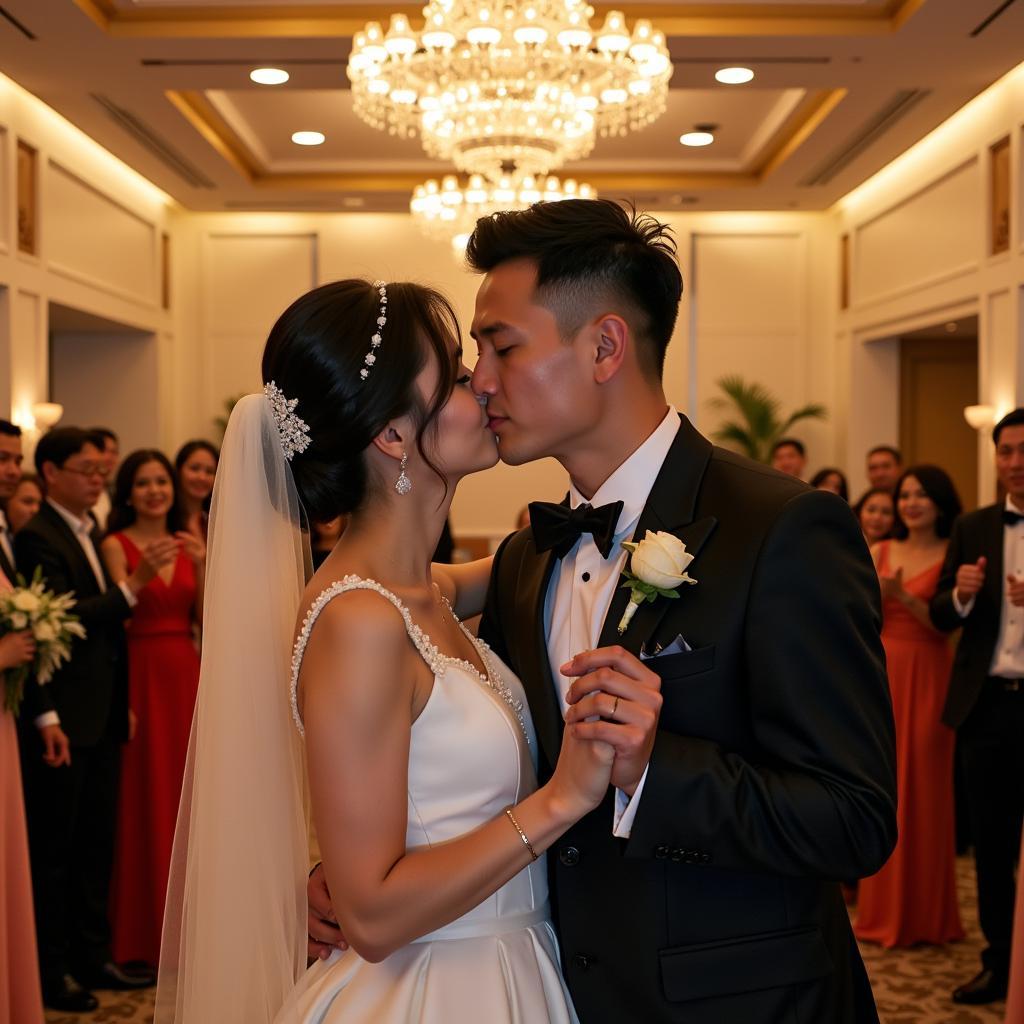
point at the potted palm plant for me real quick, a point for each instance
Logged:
(757, 421)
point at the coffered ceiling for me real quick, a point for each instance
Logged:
(841, 87)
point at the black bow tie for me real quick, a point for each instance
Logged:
(558, 527)
(1011, 518)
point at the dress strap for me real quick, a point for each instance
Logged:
(430, 654)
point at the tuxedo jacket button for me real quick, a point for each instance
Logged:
(582, 961)
(569, 856)
(661, 852)
(676, 853)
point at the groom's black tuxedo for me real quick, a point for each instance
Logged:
(773, 771)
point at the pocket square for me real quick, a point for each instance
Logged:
(678, 646)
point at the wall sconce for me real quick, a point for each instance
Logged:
(47, 414)
(979, 417)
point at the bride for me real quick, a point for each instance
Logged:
(418, 742)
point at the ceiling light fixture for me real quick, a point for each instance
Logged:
(734, 76)
(509, 90)
(269, 76)
(450, 209)
(702, 135)
(308, 138)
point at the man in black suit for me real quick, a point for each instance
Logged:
(10, 475)
(72, 729)
(982, 590)
(755, 762)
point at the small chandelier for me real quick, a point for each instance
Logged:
(450, 210)
(506, 89)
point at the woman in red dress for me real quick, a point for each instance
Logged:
(913, 898)
(163, 677)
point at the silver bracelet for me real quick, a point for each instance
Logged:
(522, 834)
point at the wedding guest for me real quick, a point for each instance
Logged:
(20, 996)
(875, 511)
(10, 475)
(831, 479)
(163, 677)
(24, 503)
(110, 447)
(323, 538)
(982, 591)
(196, 468)
(884, 465)
(913, 897)
(789, 456)
(71, 757)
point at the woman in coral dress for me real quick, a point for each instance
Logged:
(163, 676)
(913, 898)
(21, 1001)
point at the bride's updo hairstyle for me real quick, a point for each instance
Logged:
(314, 354)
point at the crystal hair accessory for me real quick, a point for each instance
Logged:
(293, 431)
(382, 318)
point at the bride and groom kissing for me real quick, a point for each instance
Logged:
(697, 783)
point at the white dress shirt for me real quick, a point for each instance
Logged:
(82, 527)
(1008, 656)
(5, 539)
(582, 587)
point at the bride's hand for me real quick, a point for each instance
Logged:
(324, 934)
(582, 775)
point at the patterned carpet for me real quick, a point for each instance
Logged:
(911, 986)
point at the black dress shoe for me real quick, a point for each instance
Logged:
(116, 976)
(985, 987)
(69, 996)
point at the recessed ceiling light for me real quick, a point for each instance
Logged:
(269, 76)
(697, 139)
(734, 76)
(308, 138)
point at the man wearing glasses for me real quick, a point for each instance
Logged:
(72, 728)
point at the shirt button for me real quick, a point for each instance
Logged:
(585, 577)
(569, 856)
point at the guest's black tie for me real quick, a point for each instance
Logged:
(558, 527)
(1011, 518)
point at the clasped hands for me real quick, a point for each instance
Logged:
(614, 698)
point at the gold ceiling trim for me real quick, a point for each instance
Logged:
(211, 21)
(206, 120)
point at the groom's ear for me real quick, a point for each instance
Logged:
(613, 342)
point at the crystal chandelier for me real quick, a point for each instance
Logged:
(506, 89)
(447, 209)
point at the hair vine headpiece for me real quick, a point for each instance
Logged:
(293, 431)
(382, 319)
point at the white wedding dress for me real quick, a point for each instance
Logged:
(471, 755)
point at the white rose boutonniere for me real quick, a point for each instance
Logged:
(657, 566)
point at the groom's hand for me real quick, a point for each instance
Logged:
(324, 934)
(624, 697)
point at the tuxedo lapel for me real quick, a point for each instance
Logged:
(993, 542)
(670, 507)
(535, 665)
(84, 577)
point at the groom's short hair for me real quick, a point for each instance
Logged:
(589, 252)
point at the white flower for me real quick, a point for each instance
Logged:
(44, 632)
(19, 620)
(661, 559)
(25, 601)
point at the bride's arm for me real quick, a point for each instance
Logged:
(358, 688)
(465, 584)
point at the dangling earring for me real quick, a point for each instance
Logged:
(403, 484)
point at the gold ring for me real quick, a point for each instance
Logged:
(615, 707)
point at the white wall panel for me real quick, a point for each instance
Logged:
(933, 235)
(90, 237)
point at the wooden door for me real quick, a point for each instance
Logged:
(938, 377)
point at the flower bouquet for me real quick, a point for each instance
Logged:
(48, 615)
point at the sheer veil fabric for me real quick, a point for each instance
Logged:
(234, 936)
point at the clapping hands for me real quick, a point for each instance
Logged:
(892, 586)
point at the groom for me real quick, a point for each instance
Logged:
(750, 717)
